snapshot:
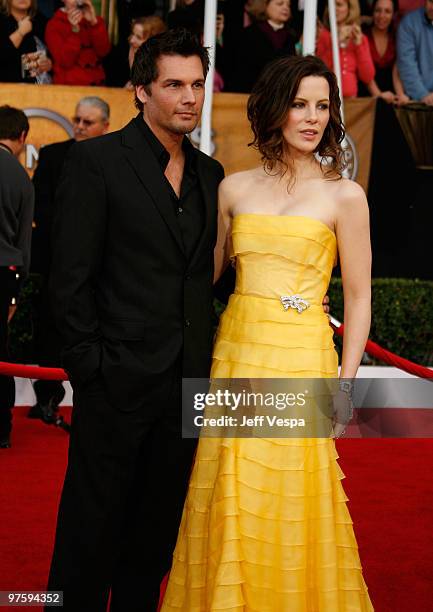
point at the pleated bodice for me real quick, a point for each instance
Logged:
(278, 256)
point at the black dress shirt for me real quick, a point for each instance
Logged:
(189, 206)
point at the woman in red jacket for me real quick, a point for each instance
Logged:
(355, 57)
(77, 40)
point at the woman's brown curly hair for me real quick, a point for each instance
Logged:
(270, 101)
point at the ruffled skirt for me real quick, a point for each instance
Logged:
(265, 526)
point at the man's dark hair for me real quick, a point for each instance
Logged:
(13, 122)
(173, 42)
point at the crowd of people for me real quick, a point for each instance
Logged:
(386, 51)
(26, 217)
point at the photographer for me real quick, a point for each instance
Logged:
(78, 41)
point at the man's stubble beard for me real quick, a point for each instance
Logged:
(178, 129)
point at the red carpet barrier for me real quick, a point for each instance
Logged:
(373, 349)
(25, 371)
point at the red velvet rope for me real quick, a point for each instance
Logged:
(392, 359)
(25, 371)
(373, 349)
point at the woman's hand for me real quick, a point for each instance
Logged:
(401, 99)
(325, 304)
(356, 34)
(44, 64)
(428, 99)
(38, 62)
(25, 26)
(88, 12)
(74, 18)
(343, 413)
(344, 34)
(388, 96)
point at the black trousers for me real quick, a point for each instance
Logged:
(7, 383)
(122, 501)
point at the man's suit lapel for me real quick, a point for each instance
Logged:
(149, 173)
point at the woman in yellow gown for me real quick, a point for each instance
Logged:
(265, 526)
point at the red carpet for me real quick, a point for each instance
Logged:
(388, 482)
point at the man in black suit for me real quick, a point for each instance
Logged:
(132, 276)
(91, 119)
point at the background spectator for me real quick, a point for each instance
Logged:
(415, 53)
(355, 57)
(91, 119)
(118, 63)
(261, 42)
(16, 214)
(142, 29)
(127, 10)
(381, 38)
(77, 40)
(189, 14)
(22, 33)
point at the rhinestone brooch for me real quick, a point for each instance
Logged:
(294, 301)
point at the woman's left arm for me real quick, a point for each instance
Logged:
(353, 237)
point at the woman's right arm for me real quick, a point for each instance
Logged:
(375, 91)
(402, 98)
(24, 27)
(223, 244)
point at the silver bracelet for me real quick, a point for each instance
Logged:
(346, 386)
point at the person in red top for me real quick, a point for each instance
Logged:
(355, 57)
(77, 40)
(381, 37)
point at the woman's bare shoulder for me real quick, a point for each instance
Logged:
(237, 184)
(351, 204)
(349, 193)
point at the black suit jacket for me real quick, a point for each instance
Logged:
(45, 180)
(125, 297)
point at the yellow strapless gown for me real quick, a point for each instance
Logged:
(265, 526)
